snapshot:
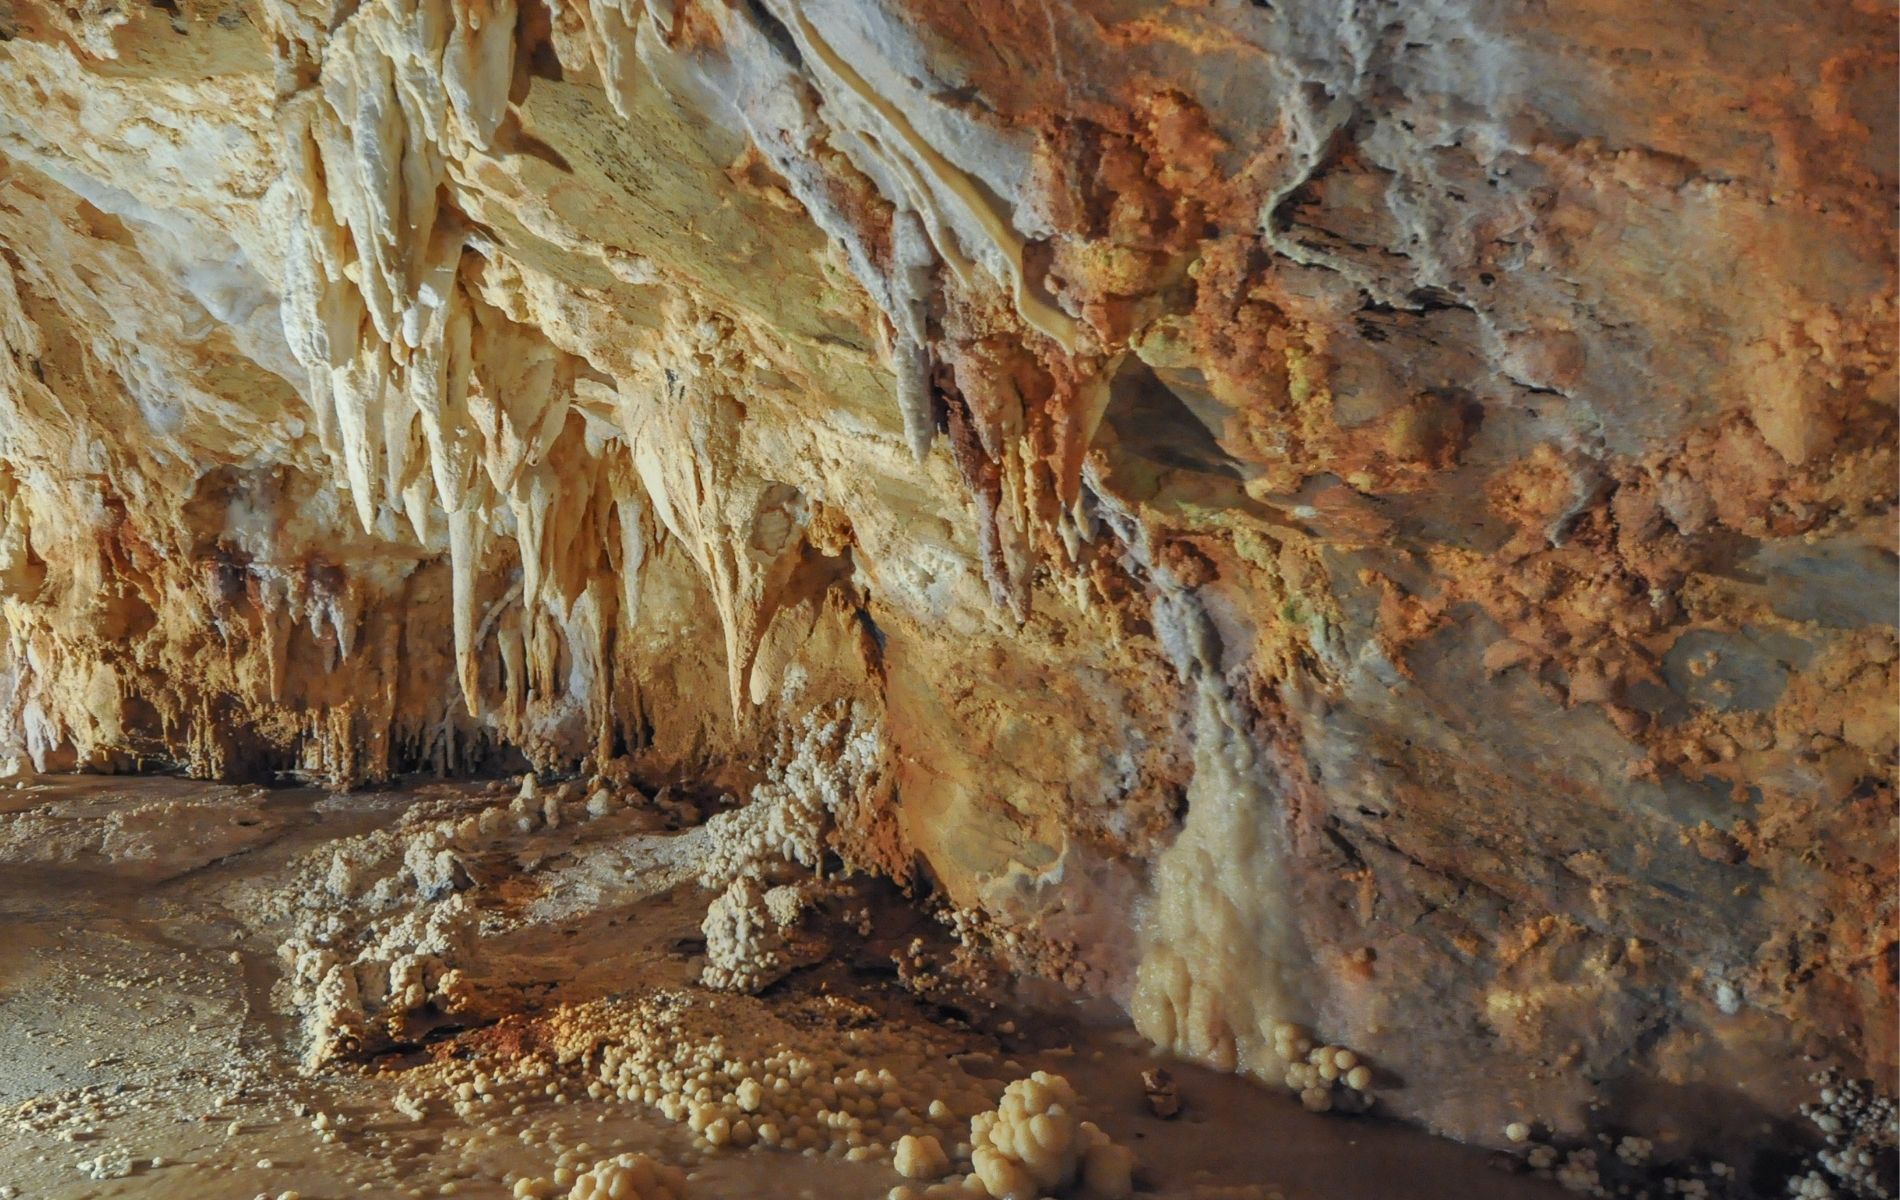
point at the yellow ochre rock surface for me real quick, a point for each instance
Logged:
(1371, 518)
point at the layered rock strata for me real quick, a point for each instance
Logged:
(1371, 517)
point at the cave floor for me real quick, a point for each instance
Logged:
(145, 1049)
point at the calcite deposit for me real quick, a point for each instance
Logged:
(1349, 527)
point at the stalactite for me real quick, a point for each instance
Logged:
(1370, 508)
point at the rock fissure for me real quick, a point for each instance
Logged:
(1408, 570)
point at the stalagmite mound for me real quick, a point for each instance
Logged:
(1360, 537)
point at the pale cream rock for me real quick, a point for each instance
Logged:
(1033, 1143)
(629, 1177)
(920, 1157)
(377, 396)
(1220, 969)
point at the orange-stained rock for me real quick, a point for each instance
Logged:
(1375, 517)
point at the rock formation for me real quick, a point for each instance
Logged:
(1370, 517)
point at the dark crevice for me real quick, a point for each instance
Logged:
(1154, 422)
(776, 33)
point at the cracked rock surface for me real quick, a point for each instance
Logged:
(1373, 519)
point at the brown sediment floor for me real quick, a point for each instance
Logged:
(148, 1047)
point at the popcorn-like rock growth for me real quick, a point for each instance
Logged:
(1034, 1144)
(1375, 516)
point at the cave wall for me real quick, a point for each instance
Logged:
(1378, 515)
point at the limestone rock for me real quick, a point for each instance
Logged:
(1374, 516)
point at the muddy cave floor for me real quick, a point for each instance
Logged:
(146, 1048)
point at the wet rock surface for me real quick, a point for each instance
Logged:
(162, 1050)
(1372, 518)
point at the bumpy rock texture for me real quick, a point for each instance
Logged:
(1373, 515)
